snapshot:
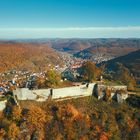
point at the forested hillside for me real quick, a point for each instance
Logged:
(23, 55)
(109, 48)
(130, 63)
(80, 119)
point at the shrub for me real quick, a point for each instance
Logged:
(13, 131)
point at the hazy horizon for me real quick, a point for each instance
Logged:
(69, 19)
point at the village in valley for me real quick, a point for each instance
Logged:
(26, 85)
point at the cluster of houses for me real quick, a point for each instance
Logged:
(7, 85)
(25, 79)
(101, 58)
(71, 61)
(21, 81)
(18, 79)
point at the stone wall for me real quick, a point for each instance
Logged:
(43, 94)
(2, 105)
(24, 94)
(70, 92)
(100, 92)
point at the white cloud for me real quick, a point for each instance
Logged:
(72, 32)
(125, 28)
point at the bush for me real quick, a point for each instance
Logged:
(13, 131)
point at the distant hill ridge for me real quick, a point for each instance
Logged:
(131, 61)
(109, 48)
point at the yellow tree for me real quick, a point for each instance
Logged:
(52, 78)
(13, 131)
(89, 71)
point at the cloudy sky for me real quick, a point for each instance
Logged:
(69, 19)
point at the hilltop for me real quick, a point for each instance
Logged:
(106, 49)
(91, 48)
(80, 47)
(71, 46)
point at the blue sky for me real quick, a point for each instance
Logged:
(69, 18)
